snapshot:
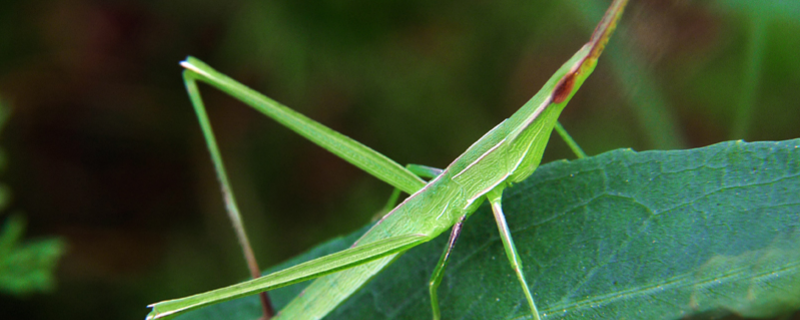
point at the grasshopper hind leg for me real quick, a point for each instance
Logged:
(190, 80)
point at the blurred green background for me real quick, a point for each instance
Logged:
(104, 150)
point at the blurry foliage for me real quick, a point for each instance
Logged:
(27, 267)
(104, 149)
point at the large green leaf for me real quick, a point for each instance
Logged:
(622, 235)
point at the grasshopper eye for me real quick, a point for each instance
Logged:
(563, 88)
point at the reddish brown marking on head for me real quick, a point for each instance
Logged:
(564, 88)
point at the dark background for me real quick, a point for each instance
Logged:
(104, 149)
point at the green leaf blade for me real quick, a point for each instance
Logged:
(622, 235)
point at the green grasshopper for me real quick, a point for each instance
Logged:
(507, 154)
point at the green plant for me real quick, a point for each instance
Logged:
(25, 267)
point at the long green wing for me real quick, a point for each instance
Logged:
(309, 270)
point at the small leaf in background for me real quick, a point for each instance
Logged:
(26, 267)
(622, 235)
